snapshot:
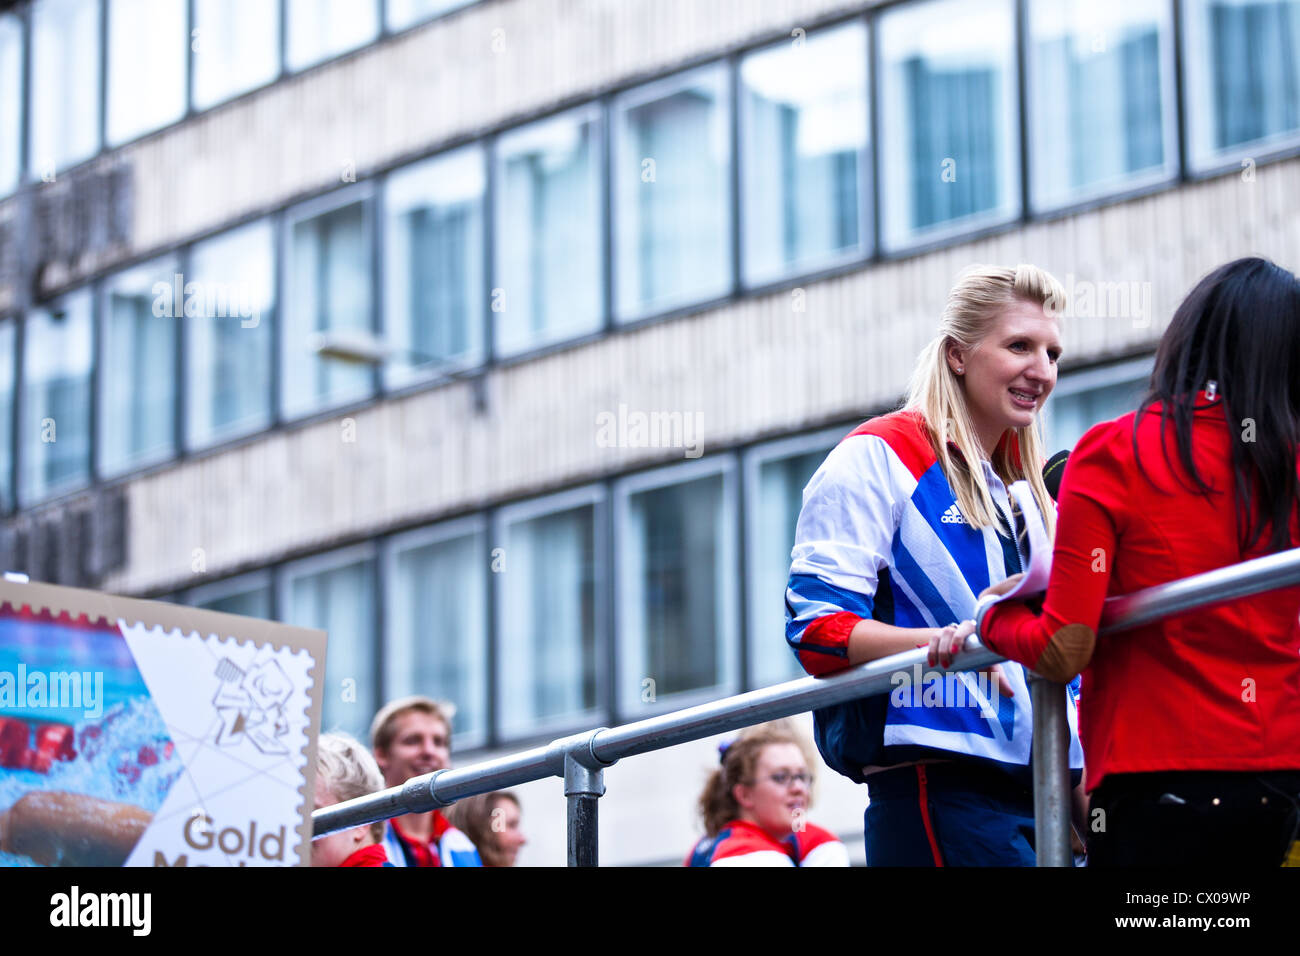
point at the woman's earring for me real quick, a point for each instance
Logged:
(960, 369)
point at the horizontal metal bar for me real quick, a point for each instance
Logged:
(782, 700)
(771, 703)
(1201, 590)
(424, 793)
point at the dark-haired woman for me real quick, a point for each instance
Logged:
(1190, 725)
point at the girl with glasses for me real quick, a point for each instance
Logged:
(755, 806)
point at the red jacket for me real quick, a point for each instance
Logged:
(741, 843)
(372, 855)
(1214, 689)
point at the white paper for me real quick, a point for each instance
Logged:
(1039, 568)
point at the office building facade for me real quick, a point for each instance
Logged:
(629, 269)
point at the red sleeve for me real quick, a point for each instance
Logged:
(1090, 510)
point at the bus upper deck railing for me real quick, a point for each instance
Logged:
(580, 759)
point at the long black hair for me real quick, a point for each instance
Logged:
(1239, 328)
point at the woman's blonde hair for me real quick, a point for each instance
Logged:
(980, 295)
(345, 768)
(739, 760)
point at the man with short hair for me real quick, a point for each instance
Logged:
(411, 737)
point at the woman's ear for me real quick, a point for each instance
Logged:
(740, 793)
(956, 356)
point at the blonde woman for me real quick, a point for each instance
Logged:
(903, 525)
(344, 771)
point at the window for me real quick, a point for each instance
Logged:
(405, 13)
(1082, 399)
(8, 362)
(803, 116)
(327, 291)
(336, 593)
(54, 418)
(775, 477)
(436, 622)
(63, 115)
(11, 103)
(1242, 77)
(147, 42)
(676, 585)
(671, 179)
(320, 29)
(549, 247)
(947, 81)
(551, 613)
(1101, 97)
(248, 594)
(236, 47)
(137, 378)
(433, 265)
(229, 320)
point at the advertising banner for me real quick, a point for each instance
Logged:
(136, 733)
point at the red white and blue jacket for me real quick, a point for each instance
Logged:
(741, 843)
(881, 536)
(449, 846)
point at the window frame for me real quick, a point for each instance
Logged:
(321, 563)
(595, 110)
(363, 192)
(99, 144)
(23, 500)
(99, 409)
(22, 18)
(232, 586)
(187, 17)
(868, 240)
(428, 374)
(1171, 111)
(597, 496)
(387, 28)
(752, 462)
(725, 467)
(278, 72)
(1230, 159)
(390, 549)
(618, 104)
(287, 68)
(975, 225)
(227, 437)
(9, 500)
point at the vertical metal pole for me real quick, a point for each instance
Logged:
(1051, 773)
(583, 787)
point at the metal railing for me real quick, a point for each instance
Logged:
(581, 759)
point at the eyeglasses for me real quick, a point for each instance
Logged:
(784, 778)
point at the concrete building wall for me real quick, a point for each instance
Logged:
(450, 80)
(749, 369)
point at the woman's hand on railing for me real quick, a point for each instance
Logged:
(946, 643)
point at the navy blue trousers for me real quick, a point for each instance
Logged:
(948, 814)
